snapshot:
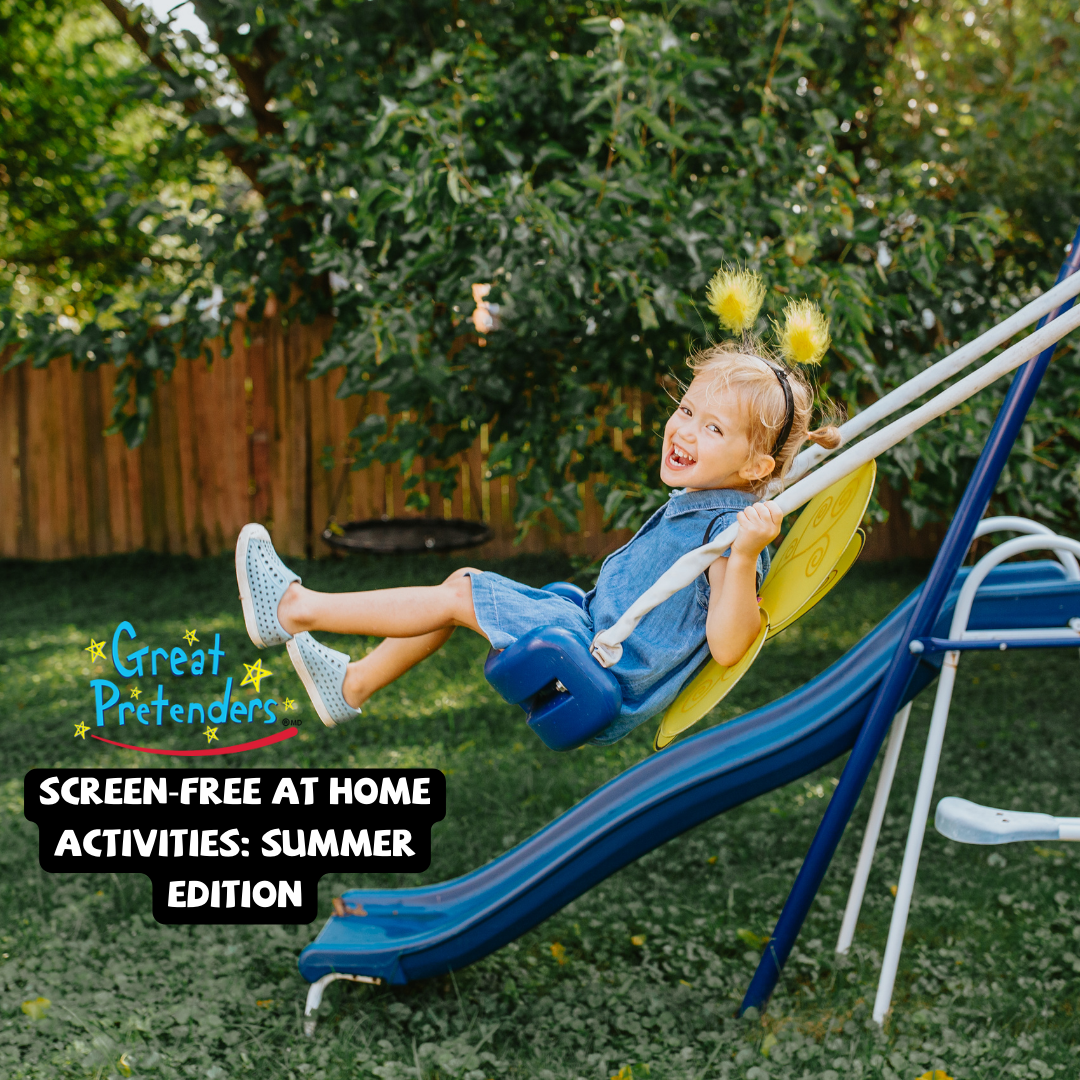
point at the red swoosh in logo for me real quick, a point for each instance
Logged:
(210, 751)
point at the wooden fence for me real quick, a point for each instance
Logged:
(243, 439)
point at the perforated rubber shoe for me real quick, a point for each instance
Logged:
(322, 671)
(263, 579)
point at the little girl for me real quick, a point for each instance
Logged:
(737, 427)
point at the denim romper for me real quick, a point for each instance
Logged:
(669, 644)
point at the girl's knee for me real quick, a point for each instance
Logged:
(461, 574)
(459, 585)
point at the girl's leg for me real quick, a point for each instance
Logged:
(412, 612)
(414, 623)
(389, 660)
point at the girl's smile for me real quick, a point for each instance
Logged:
(678, 458)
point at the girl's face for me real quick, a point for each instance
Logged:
(706, 443)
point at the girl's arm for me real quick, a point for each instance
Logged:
(733, 621)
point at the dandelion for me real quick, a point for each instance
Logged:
(36, 1008)
(558, 951)
(804, 337)
(735, 297)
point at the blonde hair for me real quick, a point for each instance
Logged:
(749, 371)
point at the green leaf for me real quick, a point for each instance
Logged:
(597, 24)
(799, 55)
(452, 184)
(387, 108)
(646, 314)
(658, 125)
(847, 164)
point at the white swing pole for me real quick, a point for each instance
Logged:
(923, 795)
(873, 830)
(938, 373)
(607, 645)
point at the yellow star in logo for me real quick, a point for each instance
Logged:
(255, 674)
(96, 649)
(81, 730)
(289, 703)
(189, 637)
(210, 733)
(135, 692)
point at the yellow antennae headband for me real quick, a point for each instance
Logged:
(735, 297)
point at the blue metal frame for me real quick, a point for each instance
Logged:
(891, 690)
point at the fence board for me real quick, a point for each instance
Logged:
(187, 458)
(36, 463)
(117, 504)
(73, 494)
(11, 501)
(97, 469)
(246, 438)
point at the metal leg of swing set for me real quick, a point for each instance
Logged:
(873, 829)
(923, 797)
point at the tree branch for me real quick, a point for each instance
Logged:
(131, 25)
(251, 78)
(767, 89)
(252, 73)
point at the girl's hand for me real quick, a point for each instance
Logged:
(759, 526)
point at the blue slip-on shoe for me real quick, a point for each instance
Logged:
(263, 579)
(322, 671)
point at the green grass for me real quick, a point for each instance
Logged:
(988, 984)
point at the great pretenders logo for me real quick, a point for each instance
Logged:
(126, 702)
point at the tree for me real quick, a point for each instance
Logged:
(595, 166)
(83, 132)
(979, 118)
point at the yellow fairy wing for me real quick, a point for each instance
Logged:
(815, 548)
(843, 565)
(814, 556)
(709, 686)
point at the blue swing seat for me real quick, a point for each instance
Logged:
(567, 696)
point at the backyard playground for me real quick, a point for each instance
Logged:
(643, 974)
(237, 252)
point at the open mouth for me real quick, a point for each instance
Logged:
(678, 458)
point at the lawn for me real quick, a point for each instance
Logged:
(639, 977)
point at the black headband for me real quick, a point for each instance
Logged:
(789, 402)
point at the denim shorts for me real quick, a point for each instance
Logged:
(506, 609)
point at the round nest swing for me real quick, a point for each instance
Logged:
(399, 536)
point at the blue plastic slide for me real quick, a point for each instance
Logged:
(409, 934)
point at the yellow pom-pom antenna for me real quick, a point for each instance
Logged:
(735, 297)
(804, 337)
